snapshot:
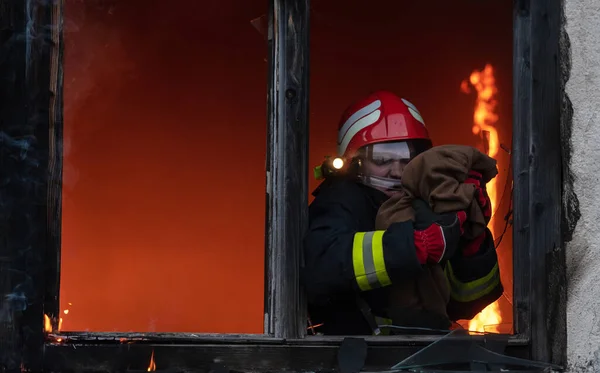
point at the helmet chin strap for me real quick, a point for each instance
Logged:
(381, 182)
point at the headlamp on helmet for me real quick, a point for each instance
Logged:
(330, 167)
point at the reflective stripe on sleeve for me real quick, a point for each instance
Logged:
(470, 291)
(368, 261)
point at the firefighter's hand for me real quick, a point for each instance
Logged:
(436, 236)
(481, 195)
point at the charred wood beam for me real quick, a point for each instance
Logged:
(66, 358)
(195, 338)
(548, 278)
(55, 164)
(25, 48)
(521, 176)
(287, 166)
(539, 251)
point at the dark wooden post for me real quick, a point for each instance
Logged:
(539, 259)
(26, 45)
(55, 164)
(287, 165)
(521, 129)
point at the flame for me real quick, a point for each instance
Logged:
(484, 120)
(47, 324)
(488, 320)
(152, 365)
(60, 320)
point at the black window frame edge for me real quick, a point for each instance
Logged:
(31, 163)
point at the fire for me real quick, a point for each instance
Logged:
(487, 320)
(484, 119)
(152, 366)
(60, 320)
(48, 324)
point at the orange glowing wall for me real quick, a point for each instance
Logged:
(165, 133)
(164, 183)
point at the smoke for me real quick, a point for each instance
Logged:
(94, 54)
(21, 145)
(17, 300)
(13, 302)
(160, 102)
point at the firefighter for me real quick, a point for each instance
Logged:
(377, 137)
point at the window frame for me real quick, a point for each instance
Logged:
(28, 112)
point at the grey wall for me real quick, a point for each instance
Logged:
(583, 252)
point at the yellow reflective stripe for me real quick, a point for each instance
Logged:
(470, 291)
(368, 260)
(357, 261)
(377, 246)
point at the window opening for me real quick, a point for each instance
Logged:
(164, 167)
(454, 63)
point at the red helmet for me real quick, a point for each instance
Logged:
(380, 117)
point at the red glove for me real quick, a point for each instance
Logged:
(436, 236)
(481, 195)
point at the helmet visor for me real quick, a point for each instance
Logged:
(382, 164)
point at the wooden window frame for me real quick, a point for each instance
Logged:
(31, 164)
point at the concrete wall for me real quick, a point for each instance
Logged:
(583, 252)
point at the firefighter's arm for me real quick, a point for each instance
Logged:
(340, 258)
(474, 278)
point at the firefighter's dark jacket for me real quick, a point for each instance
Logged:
(342, 212)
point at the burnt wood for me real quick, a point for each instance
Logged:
(232, 339)
(26, 46)
(287, 165)
(66, 358)
(548, 321)
(55, 163)
(520, 158)
(539, 260)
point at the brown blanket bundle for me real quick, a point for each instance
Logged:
(437, 176)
